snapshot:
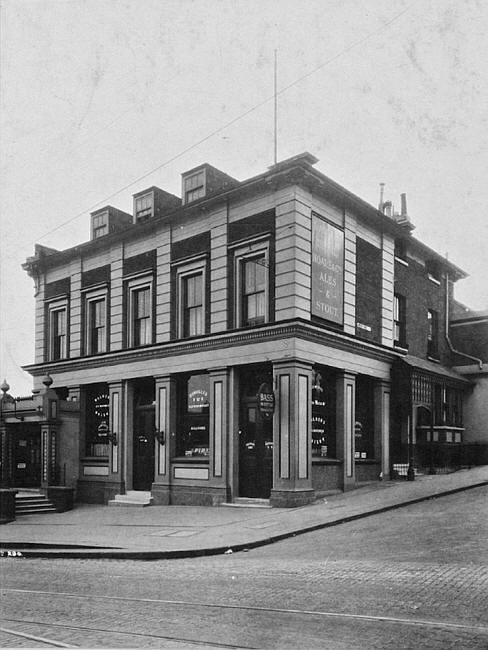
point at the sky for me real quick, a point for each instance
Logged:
(103, 98)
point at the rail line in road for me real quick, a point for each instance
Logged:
(85, 628)
(480, 629)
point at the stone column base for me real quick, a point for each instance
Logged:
(289, 499)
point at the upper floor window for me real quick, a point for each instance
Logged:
(253, 300)
(191, 298)
(144, 206)
(193, 305)
(140, 312)
(99, 225)
(252, 284)
(58, 330)
(432, 333)
(433, 271)
(194, 187)
(96, 322)
(401, 249)
(399, 320)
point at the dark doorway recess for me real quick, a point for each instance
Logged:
(255, 436)
(143, 447)
(25, 445)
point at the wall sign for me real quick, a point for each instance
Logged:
(327, 270)
(266, 401)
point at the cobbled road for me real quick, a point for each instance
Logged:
(413, 578)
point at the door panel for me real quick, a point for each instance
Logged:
(255, 452)
(26, 456)
(143, 464)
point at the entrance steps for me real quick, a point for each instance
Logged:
(32, 504)
(132, 498)
(245, 502)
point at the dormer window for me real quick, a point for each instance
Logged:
(194, 187)
(99, 225)
(144, 206)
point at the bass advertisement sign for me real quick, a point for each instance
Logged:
(327, 271)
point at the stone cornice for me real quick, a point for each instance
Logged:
(285, 330)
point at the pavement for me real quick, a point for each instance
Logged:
(165, 532)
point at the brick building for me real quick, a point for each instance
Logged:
(274, 338)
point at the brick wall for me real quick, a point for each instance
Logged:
(421, 294)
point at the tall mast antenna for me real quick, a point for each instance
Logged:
(275, 107)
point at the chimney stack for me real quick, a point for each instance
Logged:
(403, 198)
(382, 195)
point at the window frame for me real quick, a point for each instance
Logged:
(432, 333)
(184, 271)
(91, 297)
(54, 307)
(98, 225)
(144, 213)
(242, 254)
(200, 189)
(134, 286)
(399, 320)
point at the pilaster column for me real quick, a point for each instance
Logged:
(165, 422)
(218, 423)
(345, 419)
(382, 391)
(117, 442)
(292, 458)
(48, 454)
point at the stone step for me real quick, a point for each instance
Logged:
(132, 498)
(35, 504)
(246, 502)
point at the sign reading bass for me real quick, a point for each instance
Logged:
(327, 271)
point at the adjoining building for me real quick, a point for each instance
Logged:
(275, 338)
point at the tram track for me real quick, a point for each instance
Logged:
(110, 632)
(415, 622)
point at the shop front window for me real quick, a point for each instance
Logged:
(97, 420)
(323, 414)
(193, 417)
(364, 424)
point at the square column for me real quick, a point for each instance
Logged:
(292, 444)
(345, 420)
(116, 442)
(382, 391)
(48, 455)
(165, 423)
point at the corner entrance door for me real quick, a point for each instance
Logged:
(143, 465)
(255, 452)
(26, 456)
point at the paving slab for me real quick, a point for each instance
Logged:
(159, 532)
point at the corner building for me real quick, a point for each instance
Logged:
(239, 342)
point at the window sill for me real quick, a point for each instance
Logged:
(191, 459)
(318, 460)
(402, 261)
(366, 461)
(434, 280)
(103, 460)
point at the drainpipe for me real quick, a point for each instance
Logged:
(451, 347)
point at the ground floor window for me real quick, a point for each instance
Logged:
(193, 416)
(97, 420)
(323, 413)
(364, 424)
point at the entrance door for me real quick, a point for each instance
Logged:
(143, 465)
(26, 456)
(255, 452)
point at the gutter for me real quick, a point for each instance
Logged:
(449, 343)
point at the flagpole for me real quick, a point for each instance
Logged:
(275, 107)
